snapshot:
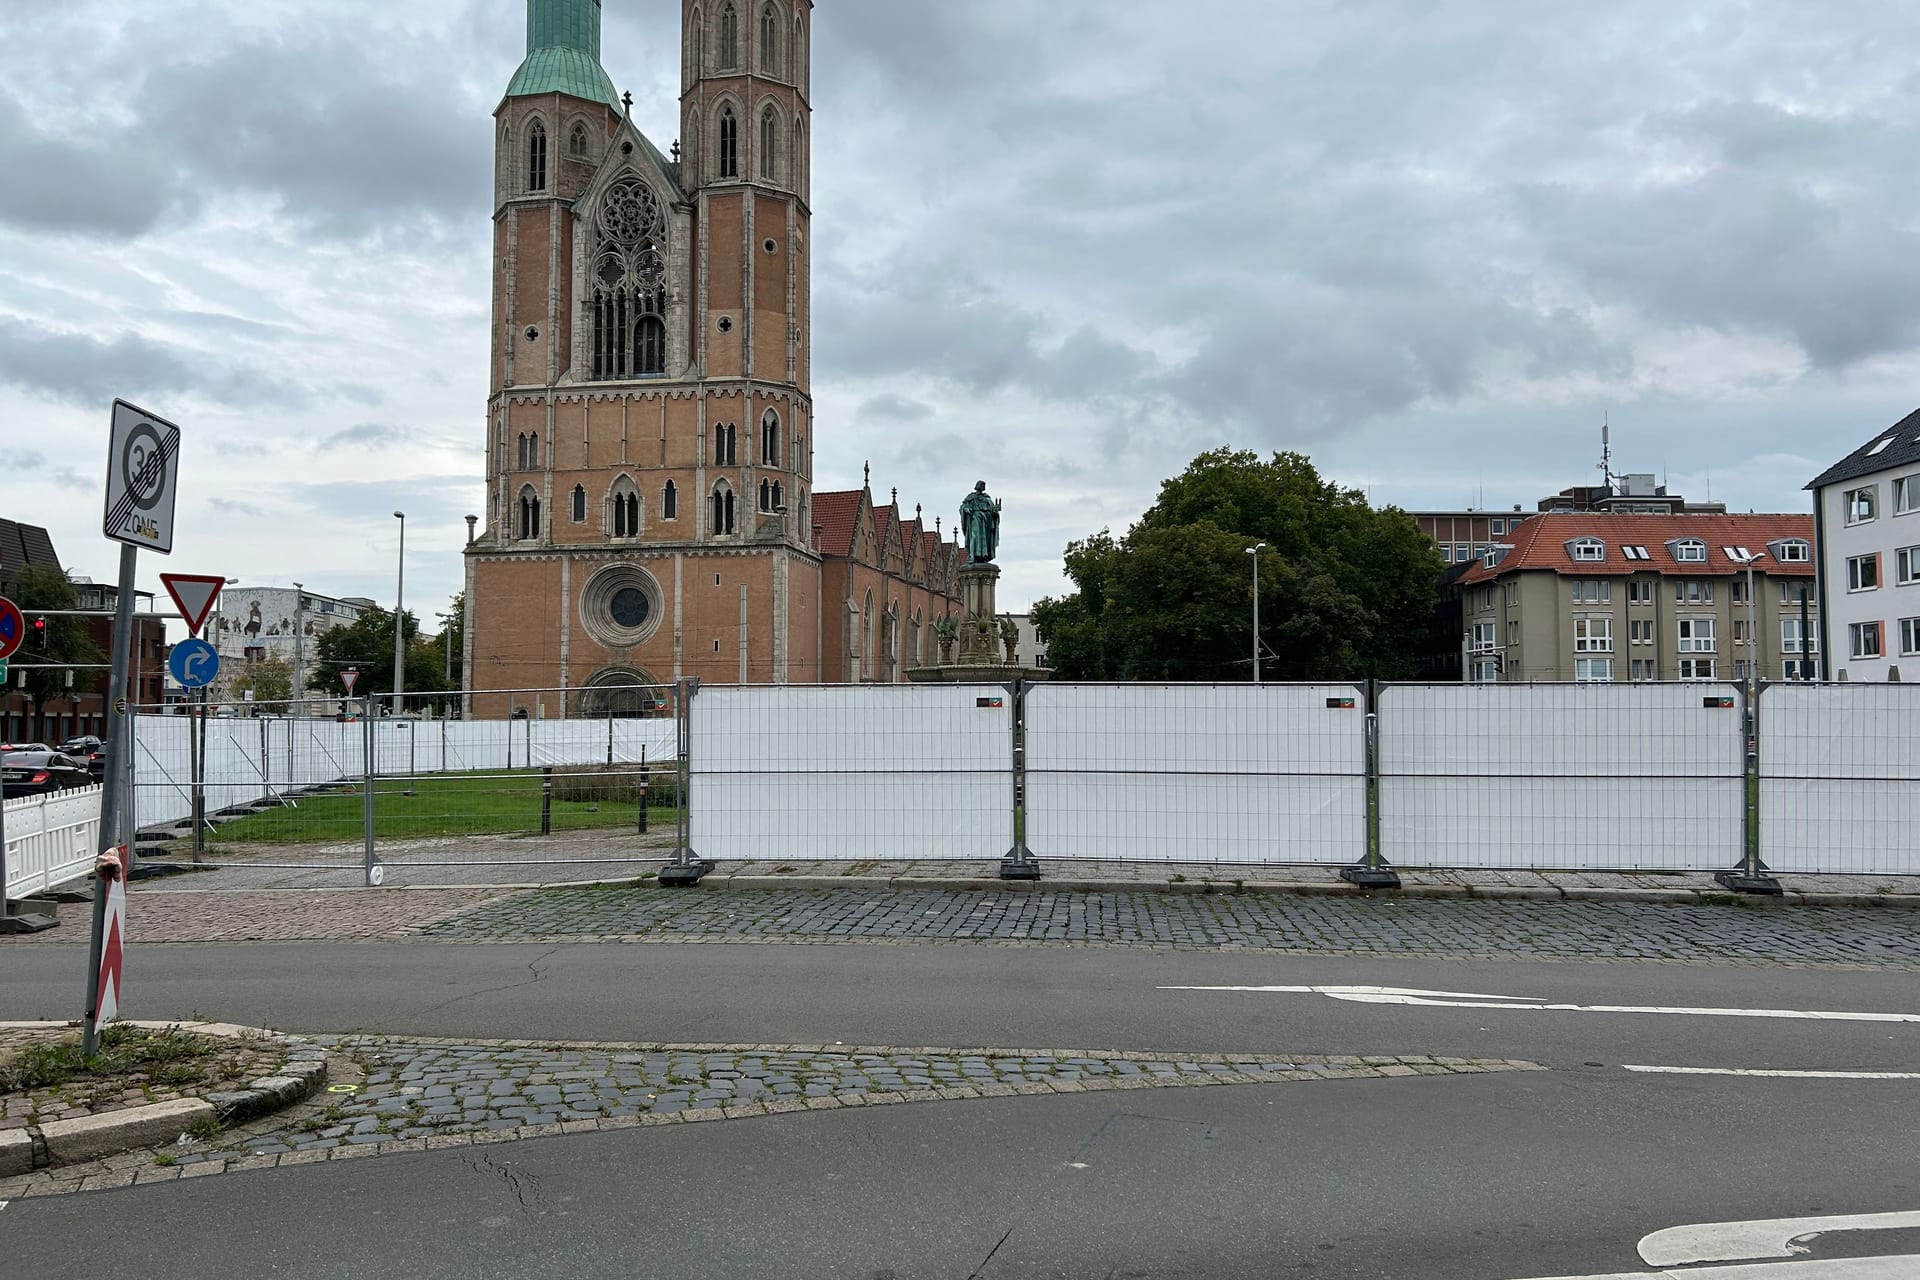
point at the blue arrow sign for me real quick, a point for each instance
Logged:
(194, 664)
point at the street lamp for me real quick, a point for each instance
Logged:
(1255, 551)
(399, 618)
(299, 647)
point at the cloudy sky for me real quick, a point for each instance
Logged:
(1061, 245)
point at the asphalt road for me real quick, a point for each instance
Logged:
(1467, 1178)
(1011, 997)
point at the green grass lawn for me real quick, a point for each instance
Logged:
(441, 805)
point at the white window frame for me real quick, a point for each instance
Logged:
(1486, 637)
(1857, 635)
(1910, 637)
(1690, 551)
(1794, 551)
(1906, 566)
(1593, 670)
(1906, 495)
(1696, 635)
(1699, 668)
(1587, 551)
(1647, 666)
(1483, 671)
(1791, 640)
(1857, 579)
(1593, 634)
(1862, 505)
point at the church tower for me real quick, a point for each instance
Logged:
(649, 425)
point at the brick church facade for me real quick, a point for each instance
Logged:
(651, 508)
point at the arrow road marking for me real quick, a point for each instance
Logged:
(1682, 1251)
(1525, 1004)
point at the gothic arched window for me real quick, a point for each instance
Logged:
(722, 521)
(650, 347)
(579, 504)
(520, 452)
(577, 142)
(766, 496)
(729, 143)
(778, 500)
(770, 40)
(769, 144)
(537, 157)
(796, 162)
(729, 41)
(770, 439)
(624, 513)
(724, 453)
(529, 514)
(670, 502)
(866, 639)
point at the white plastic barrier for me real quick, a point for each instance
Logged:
(1196, 773)
(865, 772)
(1618, 777)
(1840, 778)
(51, 839)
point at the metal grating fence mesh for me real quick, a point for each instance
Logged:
(1840, 778)
(1648, 777)
(1235, 773)
(866, 772)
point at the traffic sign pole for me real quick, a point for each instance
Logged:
(119, 779)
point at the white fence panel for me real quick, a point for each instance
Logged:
(867, 772)
(1196, 773)
(1840, 778)
(1617, 777)
(51, 840)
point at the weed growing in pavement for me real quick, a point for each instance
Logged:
(205, 1129)
(166, 1159)
(124, 1050)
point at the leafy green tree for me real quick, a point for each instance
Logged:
(269, 681)
(1345, 590)
(40, 587)
(367, 644)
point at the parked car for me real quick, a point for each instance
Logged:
(24, 746)
(88, 750)
(33, 773)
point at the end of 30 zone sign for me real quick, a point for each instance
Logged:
(143, 473)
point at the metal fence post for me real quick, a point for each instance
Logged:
(646, 784)
(1372, 871)
(1019, 862)
(374, 871)
(685, 868)
(1751, 876)
(546, 800)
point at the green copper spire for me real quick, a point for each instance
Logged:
(563, 53)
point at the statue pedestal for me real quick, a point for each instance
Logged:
(982, 656)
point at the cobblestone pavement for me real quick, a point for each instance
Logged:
(423, 1095)
(1854, 936)
(159, 913)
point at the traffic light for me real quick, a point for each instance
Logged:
(40, 634)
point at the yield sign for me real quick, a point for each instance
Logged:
(194, 594)
(349, 677)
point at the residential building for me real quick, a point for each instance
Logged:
(257, 623)
(1030, 651)
(1867, 517)
(1637, 493)
(1613, 597)
(651, 508)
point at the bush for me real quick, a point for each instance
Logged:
(616, 785)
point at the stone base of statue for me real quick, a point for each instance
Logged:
(983, 654)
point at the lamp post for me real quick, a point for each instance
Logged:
(299, 647)
(400, 617)
(1255, 551)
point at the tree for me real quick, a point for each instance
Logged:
(67, 644)
(267, 685)
(1345, 590)
(367, 644)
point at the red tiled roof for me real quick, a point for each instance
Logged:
(1540, 543)
(837, 515)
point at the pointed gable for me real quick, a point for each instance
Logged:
(837, 517)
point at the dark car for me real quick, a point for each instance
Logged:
(90, 751)
(34, 773)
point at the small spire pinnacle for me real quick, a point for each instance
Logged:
(896, 495)
(866, 474)
(626, 100)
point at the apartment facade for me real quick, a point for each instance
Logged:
(1591, 596)
(1867, 517)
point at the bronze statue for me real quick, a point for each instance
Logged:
(980, 525)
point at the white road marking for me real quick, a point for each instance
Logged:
(1523, 1004)
(1777, 1075)
(1900, 1268)
(1769, 1238)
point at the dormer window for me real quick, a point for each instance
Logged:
(1689, 551)
(1792, 551)
(1588, 550)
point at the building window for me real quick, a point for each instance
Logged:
(1486, 637)
(669, 502)
(577, 142)
(579, 504)
(1740, 631)
(1862, 504)
(1693, 591)
(1790, 592)
(770, 41)
(1690, 551)
(1906, 566)
(1906, 495)
(1910, 637)
(1593, 670)
(1697, 668)
(728, 46)
(1639, 592)
(722, 508)
(1496, 527)
(769, 145)
(771, 498)
(1593, 635)
(537, 157)
(1696, 635)
(625, 516)
(1863, 573)
(1588, 549)
(723, 445)
(1643, 669)
(729, 143)
(1640, 631)
(650, 347)
(1591, 591)
(1864, 639)
(1739, 591)
(1793, 551)
(1791, 640)
(770, 439)
(1484, 670)
(1636, 553)
(529, 514)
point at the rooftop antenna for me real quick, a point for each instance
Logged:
(1606, 452)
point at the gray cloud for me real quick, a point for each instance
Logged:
(80, 369)
(366, 433)
(896, 408)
